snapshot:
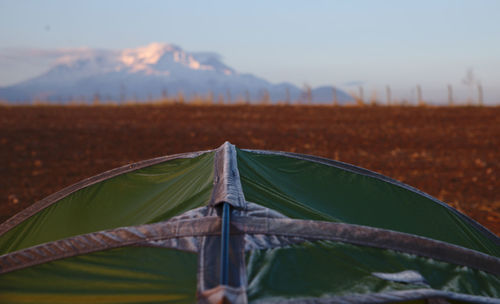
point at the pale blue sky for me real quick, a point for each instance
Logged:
(376, 43)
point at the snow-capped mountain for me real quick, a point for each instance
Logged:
(150, 72)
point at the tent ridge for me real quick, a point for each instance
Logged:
(56, 197)
(227, 195)
(227, 184)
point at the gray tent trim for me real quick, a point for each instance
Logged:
(368, 173)
(367, 236)
(181, 232)
(54, 198)
(247, 233)
(213, 260)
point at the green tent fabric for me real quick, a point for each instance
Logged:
(237, 226)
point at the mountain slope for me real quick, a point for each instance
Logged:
(151, 72)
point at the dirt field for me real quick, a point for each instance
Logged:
(450, 153)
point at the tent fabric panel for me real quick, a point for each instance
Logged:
(54, 198)
(365, 172)
(331, 269)
(147, 195)
(303, 189)
(123, 275)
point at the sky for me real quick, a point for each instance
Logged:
(431, 43)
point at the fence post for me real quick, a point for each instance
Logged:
(335, 100)
(361, 97)
(388, 95)
(419, 95)
(228, 95)
(480, 94)
(450, 95)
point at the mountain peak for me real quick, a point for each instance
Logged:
(149, 72)
(149, 54)
(155, 57)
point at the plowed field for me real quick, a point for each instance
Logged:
(450, 153)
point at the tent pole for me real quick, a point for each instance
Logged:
(224, 259)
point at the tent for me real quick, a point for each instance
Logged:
(233, 226)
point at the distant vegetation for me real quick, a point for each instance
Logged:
(198, 100)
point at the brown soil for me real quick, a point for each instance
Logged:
(450, 153)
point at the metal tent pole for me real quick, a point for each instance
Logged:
(224, 258)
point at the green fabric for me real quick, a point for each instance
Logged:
(123, 275)
(325, 269)
(308, 190)
(147, 195)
